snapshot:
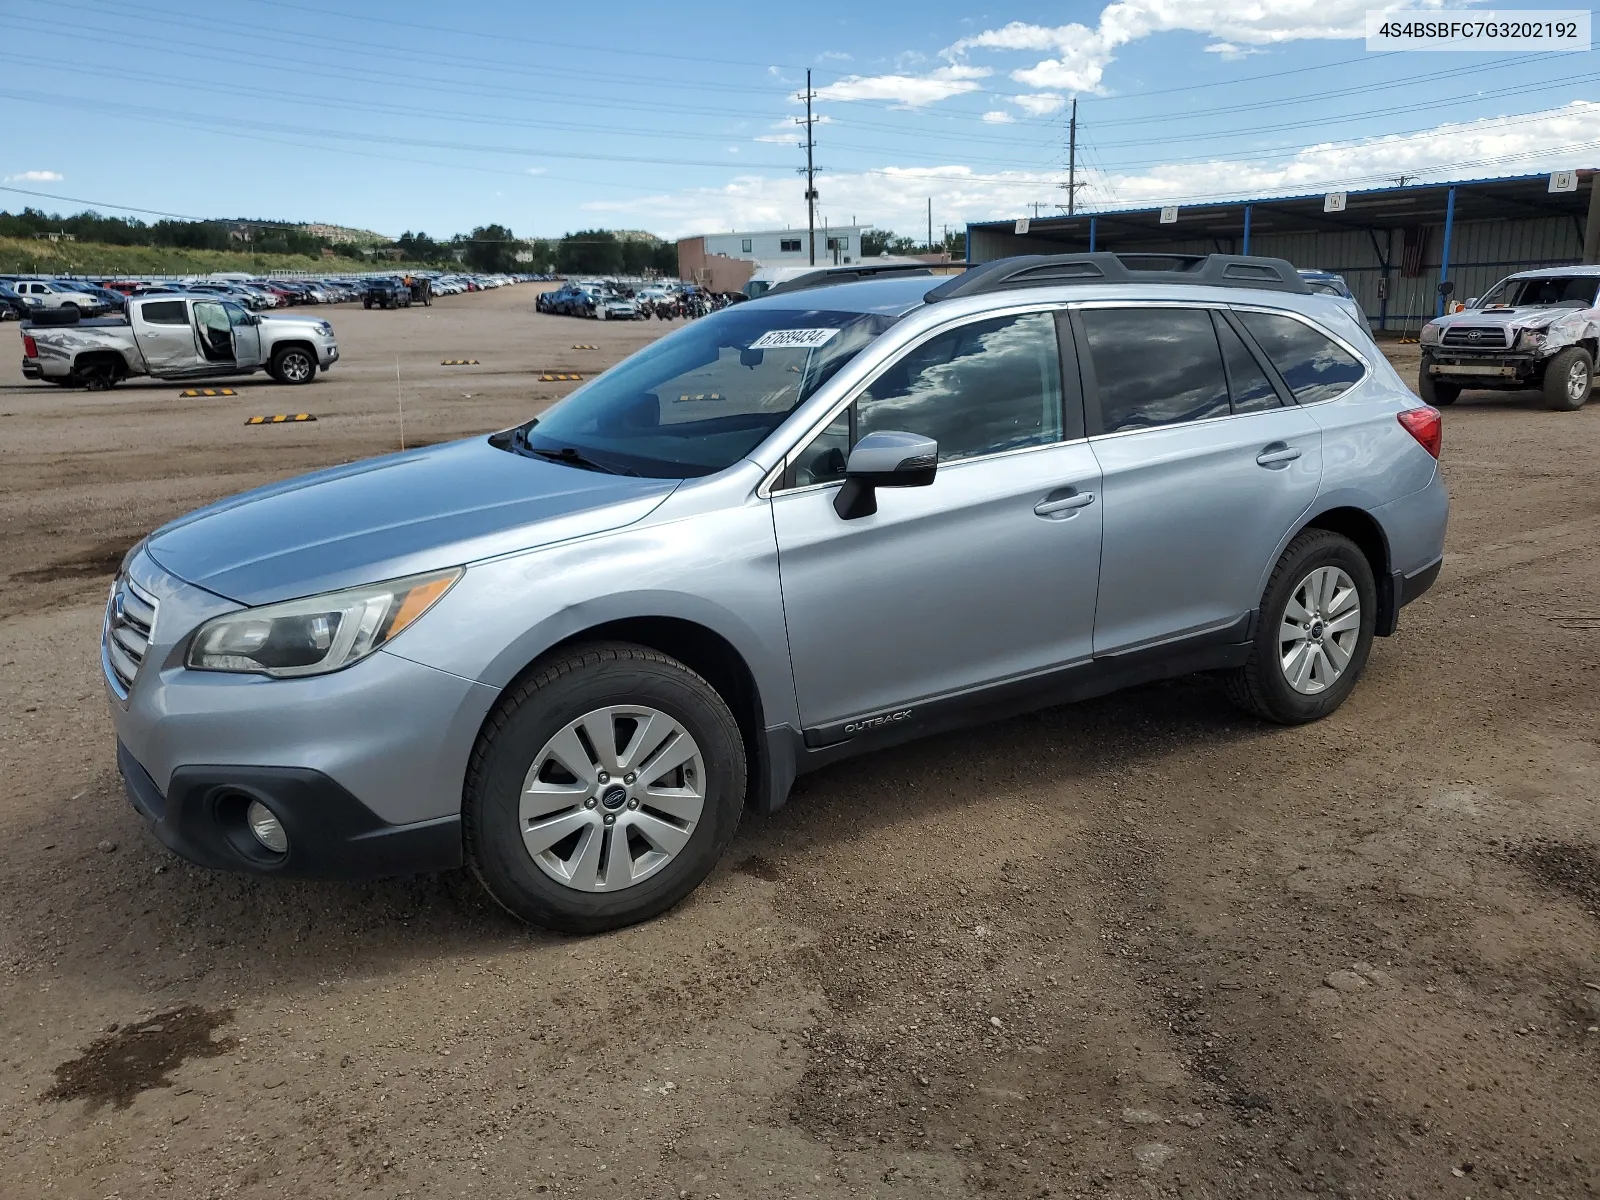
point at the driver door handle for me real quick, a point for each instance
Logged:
(1056, 504)
(1277, 455)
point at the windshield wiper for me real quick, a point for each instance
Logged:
(570, 456)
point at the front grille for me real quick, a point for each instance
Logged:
(1476, 337)
(130, 614)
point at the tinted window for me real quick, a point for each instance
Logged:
(822, 461)
(1155, 366)
(985, 387)
(1314, 366)
(165, 312)
(1252, 390)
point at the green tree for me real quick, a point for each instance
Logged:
(590, 252)
(492, 249)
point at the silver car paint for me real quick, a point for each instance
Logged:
(1563, 326)
(722, 552)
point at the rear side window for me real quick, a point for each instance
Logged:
(1314, 366)
(1155, 366)
(1252, 390)
(166, 312)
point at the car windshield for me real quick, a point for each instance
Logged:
(1573, 291)
(699, 400)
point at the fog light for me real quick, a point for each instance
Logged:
(268, 830)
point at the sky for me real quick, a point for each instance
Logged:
(682, 118)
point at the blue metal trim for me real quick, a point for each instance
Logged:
(1091, 235)
(1444, 254)
(1245, 249)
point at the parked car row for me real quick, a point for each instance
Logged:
(21, 296)
(622, 300)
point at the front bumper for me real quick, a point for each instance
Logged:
(327, 356)
(1505, 366)
(367, 763)
(331, 834)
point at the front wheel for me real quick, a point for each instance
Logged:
(293, 365)
(1568, 379)
(1313, 632)
(1434, 391)
(603, 790)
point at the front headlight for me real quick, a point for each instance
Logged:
(318, 634)
(325, 329)
(1430, 334)
(1530, 339)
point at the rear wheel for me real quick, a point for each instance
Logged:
(603, 789)
(1568, 379)
(1313, 632)
(293, 365)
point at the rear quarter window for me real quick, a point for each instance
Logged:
(1313, 365)
(165, 312)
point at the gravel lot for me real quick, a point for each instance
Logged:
(1137, 947)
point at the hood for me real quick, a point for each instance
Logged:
(386, 517)
(1522, 318)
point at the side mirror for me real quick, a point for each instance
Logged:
(1472, 302)
(885, 459)
(1447, 288)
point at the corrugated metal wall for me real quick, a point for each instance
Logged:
(1481, 253)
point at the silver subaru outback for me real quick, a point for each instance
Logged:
(855, 511)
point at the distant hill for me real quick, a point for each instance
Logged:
(30, 256)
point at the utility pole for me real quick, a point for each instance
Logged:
(811, 173)
(930, 224)
(1072, 185)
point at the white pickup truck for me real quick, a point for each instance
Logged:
(174, 336)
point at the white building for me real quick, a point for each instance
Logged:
(836, 246)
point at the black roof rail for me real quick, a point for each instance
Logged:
(825, 276)
(1053, 270)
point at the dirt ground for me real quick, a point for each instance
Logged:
(1136, 947)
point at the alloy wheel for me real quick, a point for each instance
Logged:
(296, 366)
(1320, 629)
(1577, 380)
(612, 798)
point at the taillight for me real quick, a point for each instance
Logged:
(1426, 426)
(30, 348)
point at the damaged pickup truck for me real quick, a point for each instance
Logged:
(174, 336)
(1535, 329)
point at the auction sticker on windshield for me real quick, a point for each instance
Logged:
(793, 339)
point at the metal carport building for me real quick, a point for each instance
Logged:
(1392, 245)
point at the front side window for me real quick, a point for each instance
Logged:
(700, 399)
(1155, 366)
(1313, 365)
(982, 388)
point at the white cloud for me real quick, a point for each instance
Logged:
(1041, 104)
(913, 91)
(1079, 54)
(998, 117)
(1230, 52)
(36, 177)
(895, 197)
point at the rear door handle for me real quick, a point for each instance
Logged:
(1065, 501)
(1277, 455)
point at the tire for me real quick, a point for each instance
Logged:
(293, 365)
(1432, 391)
(1569, 380)
(366, 304)
(1262, 687)
(514, 753)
